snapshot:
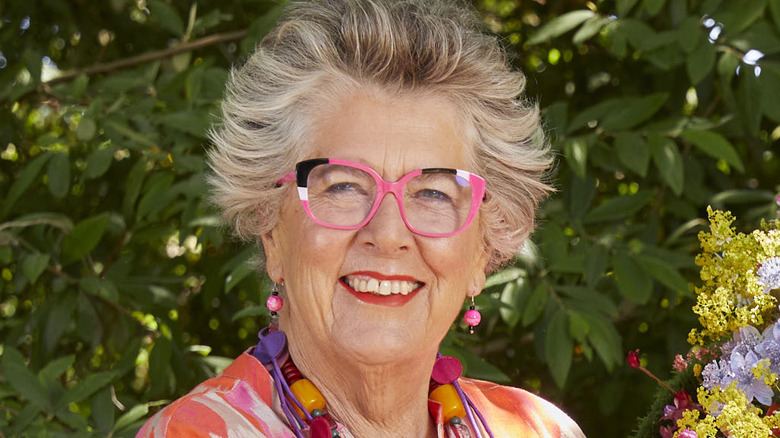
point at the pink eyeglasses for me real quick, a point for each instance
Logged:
(340, 194)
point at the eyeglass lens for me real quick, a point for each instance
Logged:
(435, 202)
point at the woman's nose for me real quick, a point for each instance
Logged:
(386, 231)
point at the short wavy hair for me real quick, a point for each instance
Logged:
(323, 49)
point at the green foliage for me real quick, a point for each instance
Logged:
(120, 291)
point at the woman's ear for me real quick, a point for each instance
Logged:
(273, 256)
(478, 275)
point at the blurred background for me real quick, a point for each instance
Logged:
(120, 290)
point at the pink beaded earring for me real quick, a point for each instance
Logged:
(472, 317)
(275, 303)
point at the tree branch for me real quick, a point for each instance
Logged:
(150, 56)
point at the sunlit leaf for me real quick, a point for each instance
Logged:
(668, 161)
(560, 25)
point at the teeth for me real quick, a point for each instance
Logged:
(384, 287)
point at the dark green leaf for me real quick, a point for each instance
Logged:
(560, 25)
(578, 326)
(663, 272)
(132, 415)
(632, 152)
(742, 196)
(24, 180)
(260, 27)
(770, 98)
(633, 282)
(774, 8)
(86, 130)
(636, 111)
(249, 311)
(167, 16)
(620, 207)
(668, 161)
(535, 305)
(241, 272)
(739, 15)
(56, 322)
(34, 265)
(83, 238)
(133, 187)
(714, 145)
(33, 61)
(98, 162)
(653, 7)
(595, 263)
(624, 7)
(85, 388)
(690, 33)
(191, 122)
(639, 33)
(103, 410)
(22, 379)
(595, 113)
(514, 297)
(52, 219)
(49, 374)
(558, 348)
(58, 172)
(604, 339)
(160, 367)
(700, 62)
(586, 299)
(575, 150)
(79, 86)
(5, 254)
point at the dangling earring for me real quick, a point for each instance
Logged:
(472, 317)
(275, 304)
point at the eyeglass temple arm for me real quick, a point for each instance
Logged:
(290, 177)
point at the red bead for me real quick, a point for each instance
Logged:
(446, 369)
(320, 428)
(472, 317)
(290, 372)
(274, 303)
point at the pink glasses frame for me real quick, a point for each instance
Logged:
(301, 174)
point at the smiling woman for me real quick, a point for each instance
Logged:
(416, 175)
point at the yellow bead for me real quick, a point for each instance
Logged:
(309, 396)
(448, 398)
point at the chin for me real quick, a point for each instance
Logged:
(380, 342)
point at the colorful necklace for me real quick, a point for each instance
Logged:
(305, 407)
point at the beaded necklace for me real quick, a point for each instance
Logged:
(305, 407)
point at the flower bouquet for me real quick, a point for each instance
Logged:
(726, 386)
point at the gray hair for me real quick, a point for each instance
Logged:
(325, 48)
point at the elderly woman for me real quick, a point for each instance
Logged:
(379, 151)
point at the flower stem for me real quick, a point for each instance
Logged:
(660, 382)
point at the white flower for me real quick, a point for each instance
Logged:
(769, 274)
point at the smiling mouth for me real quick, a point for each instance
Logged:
(365, 284)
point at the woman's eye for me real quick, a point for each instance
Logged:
(344, 188)
(433, 195)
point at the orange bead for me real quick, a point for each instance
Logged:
(309, 396)
(448, 398)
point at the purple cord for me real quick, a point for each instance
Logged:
(469, 414)
(290, 393)
(285, 408)
(476, 411)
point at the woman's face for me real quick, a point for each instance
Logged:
(324, 268)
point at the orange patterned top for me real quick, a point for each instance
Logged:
(242, 402)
